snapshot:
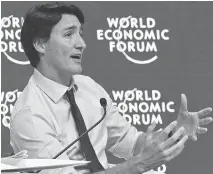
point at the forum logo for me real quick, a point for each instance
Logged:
(8, 100)
(10, 39)
(142, 107)
(129, 35)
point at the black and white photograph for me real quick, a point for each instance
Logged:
(106, 87)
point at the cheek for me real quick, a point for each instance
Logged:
(60, 48)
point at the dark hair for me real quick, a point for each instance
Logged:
(38, 23)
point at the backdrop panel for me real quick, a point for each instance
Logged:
(145, 54)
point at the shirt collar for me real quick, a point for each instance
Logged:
(53, 89)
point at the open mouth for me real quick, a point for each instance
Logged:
(76, 56)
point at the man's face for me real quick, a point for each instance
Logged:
(64, 49)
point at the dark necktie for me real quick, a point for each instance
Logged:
(85, 141)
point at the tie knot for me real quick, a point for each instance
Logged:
(70, 95)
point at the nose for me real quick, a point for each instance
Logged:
(80, 43)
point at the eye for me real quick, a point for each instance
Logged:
(68, 34)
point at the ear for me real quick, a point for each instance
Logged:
(39, 45)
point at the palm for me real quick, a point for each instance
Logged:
(192, 121)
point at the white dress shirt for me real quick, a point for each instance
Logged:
(42, 122)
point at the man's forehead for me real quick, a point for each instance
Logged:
(68, 20)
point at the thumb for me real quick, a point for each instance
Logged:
(183, 103)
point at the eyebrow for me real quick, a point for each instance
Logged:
(73, 28)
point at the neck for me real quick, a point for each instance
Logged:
(54, 75)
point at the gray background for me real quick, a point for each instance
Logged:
(184, 65)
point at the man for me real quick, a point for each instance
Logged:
(52, 40)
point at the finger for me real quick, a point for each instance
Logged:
(204, 112)
(173, 139)
(205, 121)
(151, 128)
(176, 146)
(201, 130)
(194, 137)
(164, 134)
(183, 103)
(175, 154)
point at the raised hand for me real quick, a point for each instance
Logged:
(192, 121)
(159, 149)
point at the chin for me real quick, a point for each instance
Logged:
(76, 71)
